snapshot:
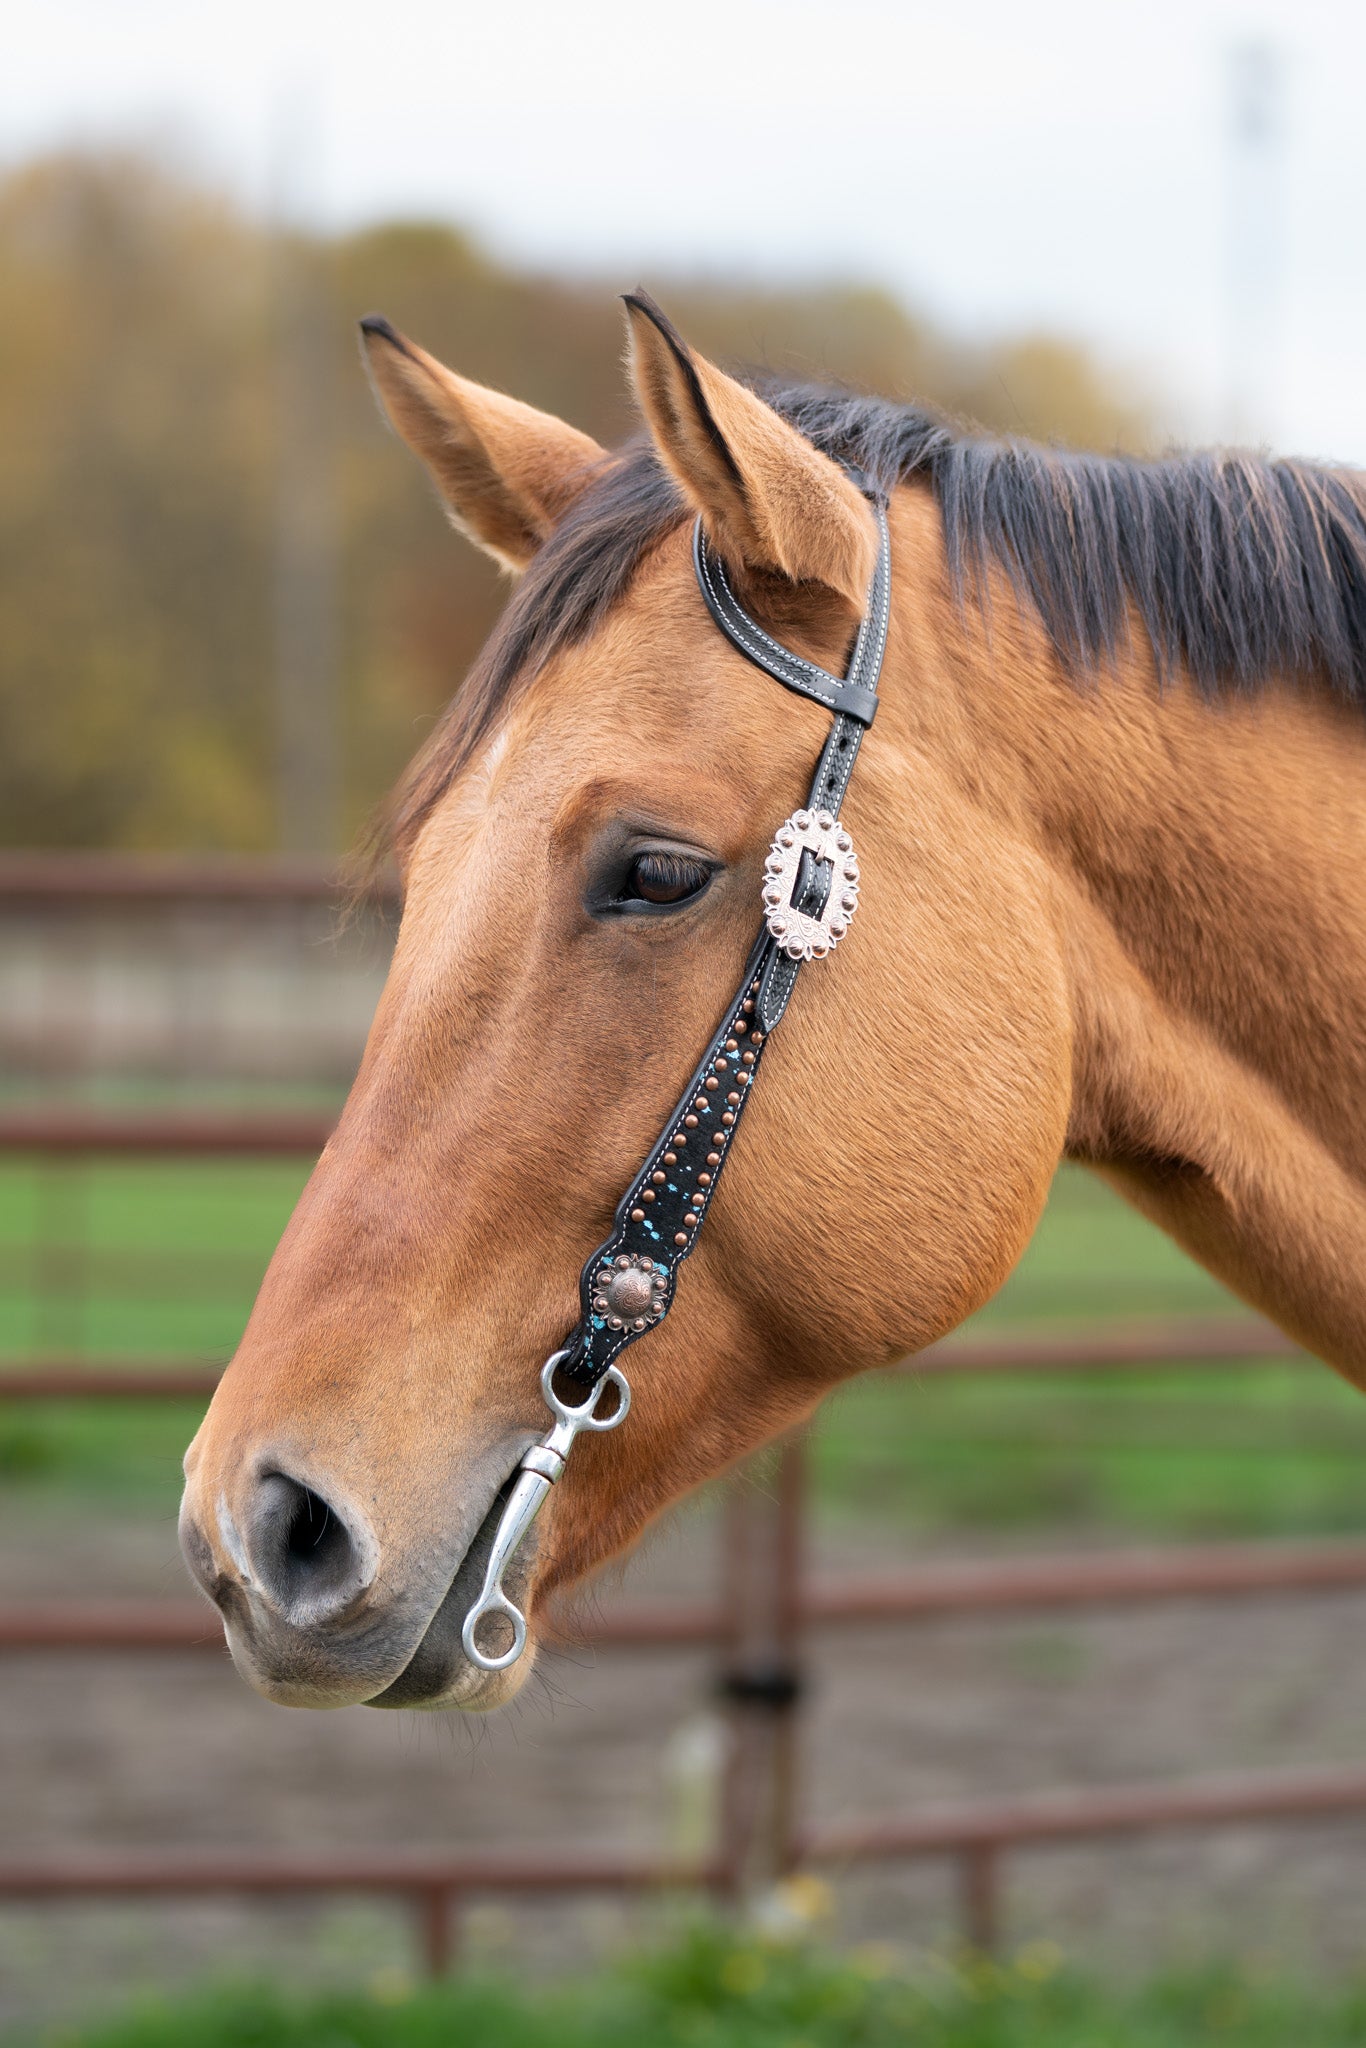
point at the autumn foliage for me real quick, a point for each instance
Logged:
(151, 350)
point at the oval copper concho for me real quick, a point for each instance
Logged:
(628, 1291)
(799, 935)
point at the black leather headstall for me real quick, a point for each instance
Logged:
(810, 894)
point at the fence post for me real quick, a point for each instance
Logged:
(434, 1906)
(980, 1873)
(761, 1676)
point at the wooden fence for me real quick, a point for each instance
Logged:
(759, 1626)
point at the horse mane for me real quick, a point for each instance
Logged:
(1238, 567)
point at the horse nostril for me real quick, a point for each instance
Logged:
(303, 1552)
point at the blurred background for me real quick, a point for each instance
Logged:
(229, 611)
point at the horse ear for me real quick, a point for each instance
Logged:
(769, 499)
(506, 472)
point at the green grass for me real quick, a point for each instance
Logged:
(138, 1259)
(152, 1260)
(142, 1261)
(1092, 1257)
(1263, 1449)
(713, 1990)
(1260, 1451)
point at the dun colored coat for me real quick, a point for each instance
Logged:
(1111, 823)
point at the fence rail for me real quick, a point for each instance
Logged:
(978, 1833)
(1154, 1345)
(432, 1886)
(99, 1133)
(974, 1833)
(926, 1593)
(54, 881)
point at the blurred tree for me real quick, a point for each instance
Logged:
(133, 524)
(138, 411)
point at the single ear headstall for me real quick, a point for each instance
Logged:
(810, 894)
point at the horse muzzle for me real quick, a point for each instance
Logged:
(320, 1611)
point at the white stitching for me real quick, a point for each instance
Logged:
(882, 593)
(752, 638)
(796, 660)
(741, 625)
(877, 614)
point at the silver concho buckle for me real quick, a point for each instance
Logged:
(799, 935)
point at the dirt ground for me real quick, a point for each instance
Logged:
(615, 1748)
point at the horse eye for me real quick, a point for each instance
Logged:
(664, 878)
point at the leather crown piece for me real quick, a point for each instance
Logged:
(627, 1286)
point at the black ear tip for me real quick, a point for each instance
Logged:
(374, 326)
(640, 301)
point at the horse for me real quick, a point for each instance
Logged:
(1112, 827)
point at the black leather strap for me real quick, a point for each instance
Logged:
(660, 1214)
(658, 1218)
(839, 753)
(848, 695)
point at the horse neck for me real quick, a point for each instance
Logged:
(1206, 870)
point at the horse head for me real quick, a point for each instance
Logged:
(582, 850)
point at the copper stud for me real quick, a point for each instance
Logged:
(690, 1218)
(756, 1037)
(599, 1304)
(704, 1180)
(614, 1322)
(659, 1283)
(658, 1179)
(728, 1116)
(630, 1292)
(733, 1097)
(732, 1045)
(671, 1159)
(647, 1194)
(719, 1137)
(720, 1065)
(680, 1140)
(691, 1122)
(639, 1323)
(748, 1058)
(747, 1005)
(637, 1215)
(623, 1259)
(713, 1159)
(680, 1237)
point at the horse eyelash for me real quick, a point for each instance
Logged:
(670, 870)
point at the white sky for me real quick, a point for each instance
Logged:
(1003, 165)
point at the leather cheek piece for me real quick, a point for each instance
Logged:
(659, 1217)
